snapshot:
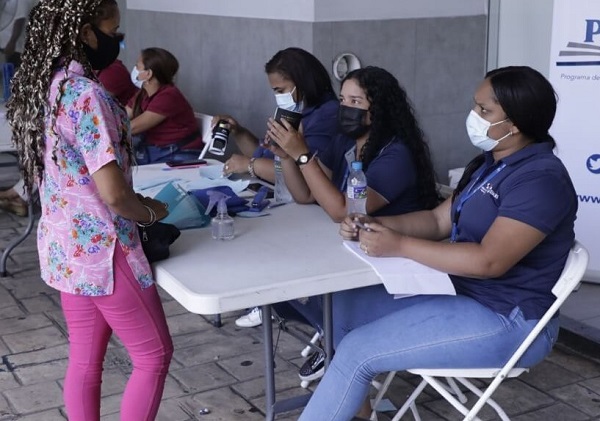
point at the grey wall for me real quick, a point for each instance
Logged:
(439, 61)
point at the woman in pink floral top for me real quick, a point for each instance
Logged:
(74, 140)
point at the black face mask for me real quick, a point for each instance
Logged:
(351, 121)
(107, 51)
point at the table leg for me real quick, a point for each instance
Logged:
(327, 328)
(216, 321)
(11, 246)
(269, 362)
(273, 407)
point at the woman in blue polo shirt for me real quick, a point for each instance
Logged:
(510, 222)
(300, 83)
(378, 127)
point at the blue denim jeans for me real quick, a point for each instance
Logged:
(425, 332)
(147, 154)
(351, 309)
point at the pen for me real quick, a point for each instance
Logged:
(275, 205)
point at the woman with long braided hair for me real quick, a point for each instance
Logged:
(73, 141)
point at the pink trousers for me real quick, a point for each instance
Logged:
(137, 318)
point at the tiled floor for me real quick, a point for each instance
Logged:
(221, 368)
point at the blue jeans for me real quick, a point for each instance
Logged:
(426, 332)
(351, 309)
(148, 154)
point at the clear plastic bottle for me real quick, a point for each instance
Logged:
(222, 224)
(282, 194)
(356, 190)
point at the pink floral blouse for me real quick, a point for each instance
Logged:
(78, 232)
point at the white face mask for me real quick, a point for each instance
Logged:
(134, 77)
(477, 128)
(286, 101)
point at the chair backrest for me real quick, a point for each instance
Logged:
(568, 281)
(204, 121)
(574, 269)
(572, 273)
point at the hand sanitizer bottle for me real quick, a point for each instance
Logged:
(222, 224)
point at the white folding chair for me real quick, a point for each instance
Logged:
(204, 121)
(569, 281)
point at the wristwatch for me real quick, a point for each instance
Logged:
(304, 158)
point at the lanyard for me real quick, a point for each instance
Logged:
(463, 198)
(349, 156)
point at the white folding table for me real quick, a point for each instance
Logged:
(294, 252)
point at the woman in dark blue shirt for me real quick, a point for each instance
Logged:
(511, 226)
(300, 83)
(376, 126)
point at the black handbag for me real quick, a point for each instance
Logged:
(156, 239)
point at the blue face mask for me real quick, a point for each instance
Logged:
(477, 128)
(286, 101)
(135, 73)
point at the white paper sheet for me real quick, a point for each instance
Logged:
(150, 179)
(405, 277)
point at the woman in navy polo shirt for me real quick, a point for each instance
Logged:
(378, 127)
(510, 222)
(300, 83)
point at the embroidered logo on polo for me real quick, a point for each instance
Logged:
(489, 189)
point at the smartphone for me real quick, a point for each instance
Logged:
(185, 162)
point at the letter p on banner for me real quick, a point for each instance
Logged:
(592, 28)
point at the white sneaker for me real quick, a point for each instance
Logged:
(252, 319)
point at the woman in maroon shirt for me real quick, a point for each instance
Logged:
(160, 113)
(115, 79)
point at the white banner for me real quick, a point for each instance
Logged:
(575, 74)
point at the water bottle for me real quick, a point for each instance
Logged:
(356, 190)
(282, 194)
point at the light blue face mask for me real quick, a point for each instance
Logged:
(184, 210)
(477, 128)
(286, 101)
(134, 77)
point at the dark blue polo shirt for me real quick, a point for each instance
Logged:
(534, 188)
(392, 173)
(319, 125)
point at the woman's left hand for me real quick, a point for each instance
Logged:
(287, 138)
(236, 164)
(379, 241)
(160, 209)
